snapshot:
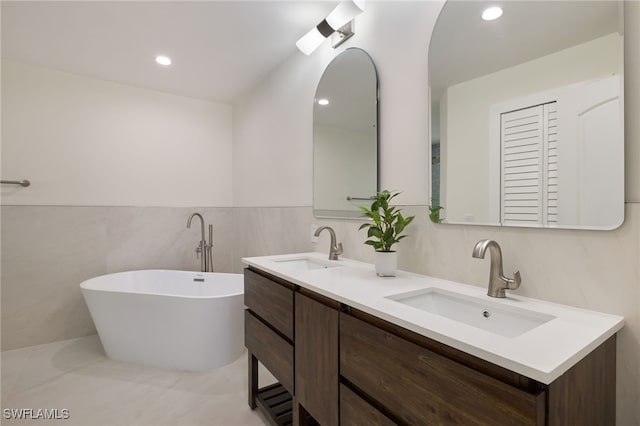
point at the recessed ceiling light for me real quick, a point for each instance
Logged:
(323, 102)
(491, 13)
(163, 60)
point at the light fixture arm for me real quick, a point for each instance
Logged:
(343, 34)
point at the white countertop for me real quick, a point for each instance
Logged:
(543, 353)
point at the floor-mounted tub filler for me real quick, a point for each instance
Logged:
(171, 319)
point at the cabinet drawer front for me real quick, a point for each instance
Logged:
(271, 350)
(355, 411)
(270, 300)
(421, 387)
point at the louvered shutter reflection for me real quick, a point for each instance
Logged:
(529, 165)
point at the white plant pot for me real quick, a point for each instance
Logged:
(386, 263)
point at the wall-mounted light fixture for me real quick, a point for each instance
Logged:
(338, 20)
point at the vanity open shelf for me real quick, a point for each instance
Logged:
(339, 364)
(277, 403)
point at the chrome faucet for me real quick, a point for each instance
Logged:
(203, 251)
(334, 249)
(498, 283)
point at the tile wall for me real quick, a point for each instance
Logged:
(47, 251)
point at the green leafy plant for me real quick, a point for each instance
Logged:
(388, 222)
(434, 211)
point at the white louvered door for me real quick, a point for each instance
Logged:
(551, 159)
(529, 193)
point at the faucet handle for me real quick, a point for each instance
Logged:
(514, 283)
(339, 249)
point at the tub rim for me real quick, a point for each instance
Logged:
(84, 287)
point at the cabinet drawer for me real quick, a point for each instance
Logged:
(270, 300)
(421, 387)
(272, 350)
(355, 411)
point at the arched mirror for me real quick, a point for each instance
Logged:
(345, 136)
(527, 114)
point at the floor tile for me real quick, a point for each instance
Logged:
(76, 375)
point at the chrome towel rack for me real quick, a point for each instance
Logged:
(23, 182)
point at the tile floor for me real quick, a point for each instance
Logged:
(77, 376)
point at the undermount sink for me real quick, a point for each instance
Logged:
(306, 264)
(496, 318)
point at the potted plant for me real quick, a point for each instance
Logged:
(386, 229)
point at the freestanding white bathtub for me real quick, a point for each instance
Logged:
(171, 319)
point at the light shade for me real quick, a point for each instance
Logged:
(344, 12)
(310, 41)
(339, 17)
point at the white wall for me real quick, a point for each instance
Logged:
(272, 159)
(468, 106)
(90, 142)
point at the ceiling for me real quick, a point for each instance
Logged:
(219, 49)
(464, 47)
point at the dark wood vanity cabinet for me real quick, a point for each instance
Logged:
(340, 366)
